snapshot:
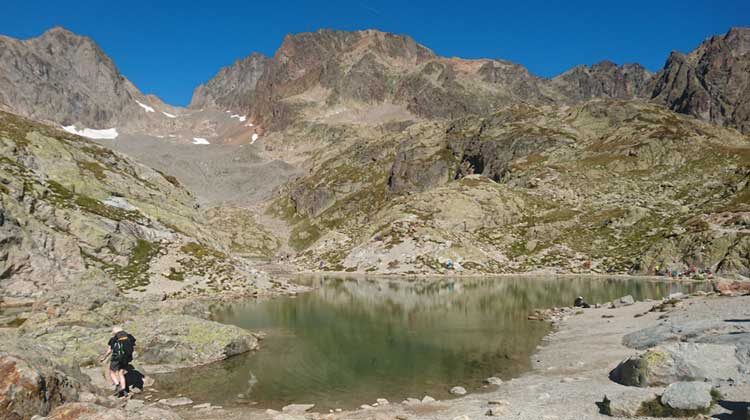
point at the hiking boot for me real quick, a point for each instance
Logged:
(122, 393)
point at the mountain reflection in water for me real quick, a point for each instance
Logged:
(353, 340)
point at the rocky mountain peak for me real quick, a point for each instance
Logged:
(309, 45)
(65, 78)
(712, 82)
(80, 50)
(233, 87)
(604, 79)
(738, 39)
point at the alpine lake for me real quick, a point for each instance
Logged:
(353, 340)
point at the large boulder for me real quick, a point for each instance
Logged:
(677, 362)
(32, 387)
(626, 404)
(164, 342)
(174, 341)
(688, 396)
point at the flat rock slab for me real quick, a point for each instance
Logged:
(176, 402)
(688, 395)
(627, 404)
(133, 405)
(297, 408)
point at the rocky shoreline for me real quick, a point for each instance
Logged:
(571, 370)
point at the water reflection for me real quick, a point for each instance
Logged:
(354, 340)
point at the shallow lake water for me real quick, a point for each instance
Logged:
(353, 340)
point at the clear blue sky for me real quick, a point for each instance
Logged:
(168, 47)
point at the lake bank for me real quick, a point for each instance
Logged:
(570, 372)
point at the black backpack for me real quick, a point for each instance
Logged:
(122, 349)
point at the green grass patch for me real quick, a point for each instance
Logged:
(95, 206)
(135, 273)
(94, 168)
(199, 251)
(61, 196)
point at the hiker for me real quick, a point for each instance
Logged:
(581, 303)
(120, 346)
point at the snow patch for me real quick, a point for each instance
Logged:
(145, 107)
(168, 115)
(199, 140)
(242, 118)
(254, 138)
(106, 134)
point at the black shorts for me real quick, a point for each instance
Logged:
(116, 365)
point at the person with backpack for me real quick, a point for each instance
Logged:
(120, 346)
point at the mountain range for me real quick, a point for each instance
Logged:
(68, 79)
(365, 151)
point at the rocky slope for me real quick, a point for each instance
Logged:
(74, 210)
(233, 87)
(607, 186)
(712, 82)
(89, 239)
